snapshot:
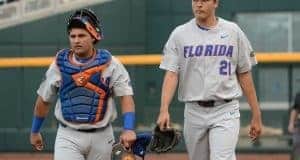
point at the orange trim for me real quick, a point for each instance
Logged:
(102, 94)
(95, 88)
(92, 31)
(96, 69)
(99, 117)
(82, 79)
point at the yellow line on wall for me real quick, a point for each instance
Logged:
(46, 61)
(149, 59)
(25, 62)
(278, 57)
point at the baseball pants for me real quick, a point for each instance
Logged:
(211, 133)
(78, 145)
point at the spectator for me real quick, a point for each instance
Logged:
(294, 127)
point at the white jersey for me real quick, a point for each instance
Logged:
(207, 60)
(119, 83)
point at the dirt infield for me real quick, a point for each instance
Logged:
(180, 156)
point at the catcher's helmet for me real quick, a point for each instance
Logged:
(87, 19)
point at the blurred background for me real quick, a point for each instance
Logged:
(37, 28)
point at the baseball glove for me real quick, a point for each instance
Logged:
(164, 141)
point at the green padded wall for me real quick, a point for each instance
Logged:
(124, 33)
(130, 27)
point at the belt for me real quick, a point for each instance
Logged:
(90, 130)
(212, 103)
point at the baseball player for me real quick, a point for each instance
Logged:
(210, 59)
(294, 127)
(84, 80)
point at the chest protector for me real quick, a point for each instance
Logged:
(83, 92)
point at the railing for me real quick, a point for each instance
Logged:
(28, 10)
(142, 59)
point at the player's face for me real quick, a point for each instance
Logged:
(204, 9)
(81, 42)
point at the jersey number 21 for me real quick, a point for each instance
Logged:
(225, 68)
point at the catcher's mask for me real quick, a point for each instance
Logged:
(86, 19)
(120, 153)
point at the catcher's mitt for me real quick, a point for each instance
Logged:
(164, 141)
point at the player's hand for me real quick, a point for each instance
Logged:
(36, 141)
(127, 138)
(291, 128)
(255, 127)
(163, 120)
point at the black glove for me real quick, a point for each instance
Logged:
(165, 140)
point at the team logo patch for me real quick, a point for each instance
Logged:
(252, 54)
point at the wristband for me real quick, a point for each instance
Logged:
(129, 120)
(37, 124)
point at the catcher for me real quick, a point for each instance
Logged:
(84, 81)
(159, 142)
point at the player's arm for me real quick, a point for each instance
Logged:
(247, 85)
(294, 114)
(127, 104)
(41, 110)
(293, 118)
(47, 93)
(168, 89)
(128, 135)
(122, 88)
(169, 63)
